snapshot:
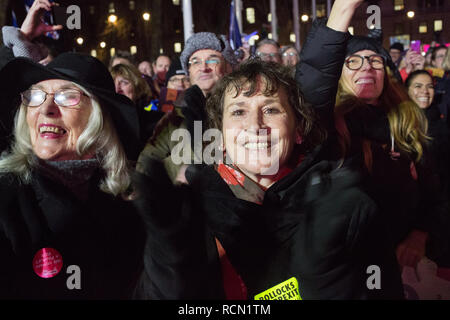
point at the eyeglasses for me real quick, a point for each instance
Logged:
(63, 97)
(355, 62)
(263, 55)
(290, 54)
(211, 62)
(173, 80)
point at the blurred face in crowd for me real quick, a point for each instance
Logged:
(178, 82)
(124, 86)
(145, 68)
(258, 130)
(290, 57)
(161, 66)
(268, 52)
(421, 90)
(55, 129)
(439, 58)
(206, 67)
(367, 81)
(120, 61)
(395, 54)
(428, 57)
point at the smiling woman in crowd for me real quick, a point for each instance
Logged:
(278, 212)
(64, 182)
(381, 132)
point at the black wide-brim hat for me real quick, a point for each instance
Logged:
(19, 74)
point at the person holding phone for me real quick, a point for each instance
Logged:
(413, 60)
(20, 41)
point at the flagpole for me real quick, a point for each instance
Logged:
(328, 7)
(239, 13)
(296, 18)
(187, 19)
(313, 10)
(273, 11)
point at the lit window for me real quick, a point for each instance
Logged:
(112, 52)
(94, 53)
(132, 5)
(111, 7)
(161, 51)
(438, 26)
(292, 37)
(321, 10)
(269, 17)
(176, 2)
(269, 36)
(250, 14)
(399, 5)
(177, 47)
(423, 28)
(351, 30)
(133, 49)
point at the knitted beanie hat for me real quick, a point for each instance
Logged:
(207, 40)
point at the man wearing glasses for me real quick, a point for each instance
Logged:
(268, 50)
(206, 58)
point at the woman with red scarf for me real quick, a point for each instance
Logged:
(277, 218)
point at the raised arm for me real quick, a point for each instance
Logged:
(21, 41)
(322, 58)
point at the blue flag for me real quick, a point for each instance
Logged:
(235, 35)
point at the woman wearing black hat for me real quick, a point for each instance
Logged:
(67, 231)
(380, 129)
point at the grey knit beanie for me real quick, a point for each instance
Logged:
(207, 40)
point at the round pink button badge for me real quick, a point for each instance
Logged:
(47, 263)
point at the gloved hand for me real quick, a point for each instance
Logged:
(195, 111)
(175, 257)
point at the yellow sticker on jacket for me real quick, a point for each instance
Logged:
(287, 290)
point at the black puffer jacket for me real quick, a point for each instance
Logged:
(405, 202)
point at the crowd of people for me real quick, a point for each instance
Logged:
(329, 163)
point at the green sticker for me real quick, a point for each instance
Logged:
(287, 290)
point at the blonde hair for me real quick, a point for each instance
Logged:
(408, 124)
(446, 63)
(131, 73)
(99, 135)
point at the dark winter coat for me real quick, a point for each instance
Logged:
(315, 224)
(102, 236)
(405, 202)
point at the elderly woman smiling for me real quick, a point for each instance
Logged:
(63, 183)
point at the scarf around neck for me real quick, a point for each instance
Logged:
(73, 174)
(245, 188)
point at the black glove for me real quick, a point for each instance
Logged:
(195, 111)
(175, 257)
